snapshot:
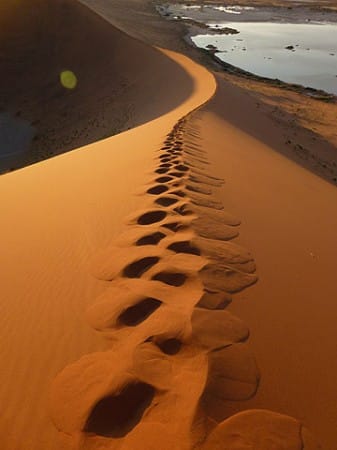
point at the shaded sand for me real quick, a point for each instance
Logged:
(120, 82)
(307, 124)
(290, 221)
(69, 207)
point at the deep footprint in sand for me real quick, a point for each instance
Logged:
(164, 179)
(136, 314)
(161, 171)
(175, 226)
(137, 268)
(157, 190)
(151, 239)
(151, 217)
(168, 298)
(184, 247)
(115, 416)
(171, 278)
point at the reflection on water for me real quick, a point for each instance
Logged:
(231, 9)
(260, 48)
(16, 136)
(235, 9)
(237, 13)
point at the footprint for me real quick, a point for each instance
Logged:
(200, 179)
(171, 278)
(226, 279)
(221, 217)
(232, 376)
(175, 226)
(177, 174)
(157, 190)
(164, 179)
(184, 247)
(194, 150)
(198, 172)
(214, 300)
(217, 329)
(114, 416)
(166, 201)
(197, 199)
(224, 254)
(183, 210)
(191, 156)
(211, 229)
(197, 188)
(181, 168)
(151, 239)
(178, 193)
(164, 158)
(260, 429)
(170, 346)
(137, 268)
(136, 314)
(151, 217)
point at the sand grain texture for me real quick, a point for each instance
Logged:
(70, 207)
(160, 338)
(130, 240)
(289, 224)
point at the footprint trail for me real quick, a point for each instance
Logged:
(176, 355)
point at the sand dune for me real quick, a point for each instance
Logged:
(118, 261)
(69, 211)
(163, 334)
(290, 218)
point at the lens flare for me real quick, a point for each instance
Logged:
(68, 79)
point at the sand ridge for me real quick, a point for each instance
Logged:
(172, 356)
(285, 210)
(70, 207)
(163, 315)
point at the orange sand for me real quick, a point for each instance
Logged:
(132, 239)
(290, 220)
(69, 207)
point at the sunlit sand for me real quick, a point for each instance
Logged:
(168, 278)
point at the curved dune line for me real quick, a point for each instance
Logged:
(172, 356)
(164, 320)
(54, 216)
(121, 82)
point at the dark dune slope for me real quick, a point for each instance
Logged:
(121, 82)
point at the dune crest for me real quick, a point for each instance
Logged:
(163, 315)
(55, 215)
(155, 288)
